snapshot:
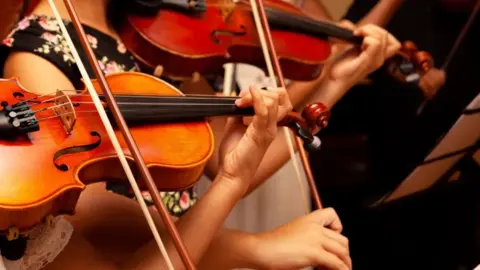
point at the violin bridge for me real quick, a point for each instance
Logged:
(65, 111)
(226, 9)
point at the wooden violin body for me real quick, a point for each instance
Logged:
(44, 172)
(53, 146)
(182, 43)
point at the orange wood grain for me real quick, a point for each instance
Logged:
(31, 187)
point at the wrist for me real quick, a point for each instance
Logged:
(331, 90)
(252, 255)
(234, 185)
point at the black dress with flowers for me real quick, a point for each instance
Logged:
(42, 36)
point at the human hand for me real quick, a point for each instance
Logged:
(241, 151)
(431, 82)
(354, 65)
(311, 240)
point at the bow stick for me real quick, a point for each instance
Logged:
(455, 47)
(461, 36)
(273, 67)
(126, 134)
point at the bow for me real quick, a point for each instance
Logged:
(273, 67)
(112, 105)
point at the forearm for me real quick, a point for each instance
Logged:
(316, 9)
(275, 157)
(197, 228)
(381, 14)
(230, 249)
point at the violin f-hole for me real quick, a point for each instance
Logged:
(19, 96)
(75, 150)
(215, 33)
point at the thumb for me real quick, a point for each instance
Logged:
(327, 217)
(347, 24)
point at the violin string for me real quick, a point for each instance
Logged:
(111, 134)
(198, 97)
(44, 95)
(49, 108)
(150, 105)
(161, 104)
(174, 109)
(58, 116)
(91, 111)
(286, 130)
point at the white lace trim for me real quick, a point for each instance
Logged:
(43, 245)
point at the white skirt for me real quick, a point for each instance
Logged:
(43, 245)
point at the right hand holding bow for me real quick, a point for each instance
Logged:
(311, 240)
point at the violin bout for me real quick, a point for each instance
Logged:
(48, 161)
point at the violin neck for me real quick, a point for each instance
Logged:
(141, 110)
(305, 25)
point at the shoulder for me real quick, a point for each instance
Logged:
(35, 73)
(30, 48)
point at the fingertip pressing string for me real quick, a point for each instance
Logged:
(112, 136)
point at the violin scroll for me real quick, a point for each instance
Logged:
(410, 64)
(316, 114)
(423, 60)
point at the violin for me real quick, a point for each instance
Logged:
(178, 38)
(410, 63)
(53, 146)
(182, 37)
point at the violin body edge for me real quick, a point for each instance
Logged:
(219, 39)
(41, 187)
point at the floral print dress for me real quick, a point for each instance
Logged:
(42, 36)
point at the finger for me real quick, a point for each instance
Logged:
(284, 99)
(271, 102)
(340, 251)
(330, 261)
(347, 24)
(245, 100)
(244, 92)
(327, 217)
(260, 119)
(385, 45)
(284, 103)
(342, 240)
(372, 49)
(393, 45)
(370, 30)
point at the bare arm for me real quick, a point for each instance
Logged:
(315, 9)
(40, 76)
(197, 228)
(36, 74)
(277, 154)
(381, 14)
